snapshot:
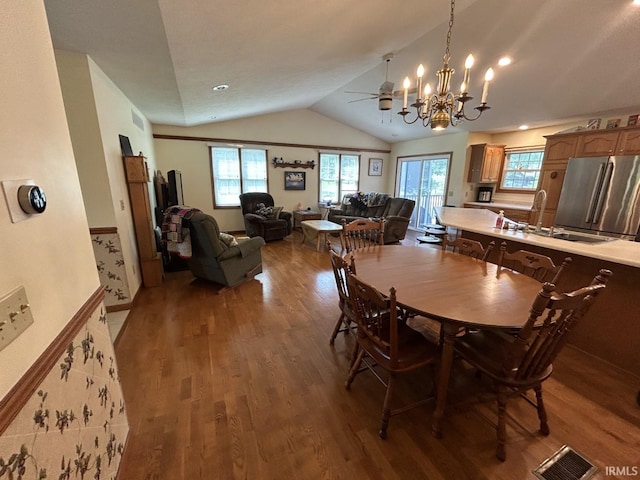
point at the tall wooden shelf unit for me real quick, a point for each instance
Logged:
(150, 260)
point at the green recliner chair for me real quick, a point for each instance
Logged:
(216, 259)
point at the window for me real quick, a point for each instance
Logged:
(521, 169)
(339, 176)
(236, 171)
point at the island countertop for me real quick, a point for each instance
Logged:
(482, 221)
(505, 205)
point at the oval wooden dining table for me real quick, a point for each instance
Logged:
(457, 290)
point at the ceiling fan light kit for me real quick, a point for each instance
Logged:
(444, 108)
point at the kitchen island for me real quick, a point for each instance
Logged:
(611, 330)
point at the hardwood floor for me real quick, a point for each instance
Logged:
(244, 384)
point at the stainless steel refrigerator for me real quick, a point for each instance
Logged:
(601, 195)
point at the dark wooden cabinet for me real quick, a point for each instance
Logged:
(150, 261)
(486, 163)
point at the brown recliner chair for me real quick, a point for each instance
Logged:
(212, 259)
(260, 226)
(397, 214)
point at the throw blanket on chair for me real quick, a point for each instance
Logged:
(175, 229)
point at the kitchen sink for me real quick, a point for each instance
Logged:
(573, 236)
(581, 237)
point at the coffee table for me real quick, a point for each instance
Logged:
(313, 228)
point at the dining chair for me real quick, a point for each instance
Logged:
(532, 264)
(385, 342)
(340, 267)
(516, 364)
(465, 246)
(362, 234)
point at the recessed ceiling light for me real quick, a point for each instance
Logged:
(523, 127)
(221, 87)
(504, 61)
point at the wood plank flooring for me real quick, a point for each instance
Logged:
(244, 385)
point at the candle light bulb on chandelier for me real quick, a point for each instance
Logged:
(485, 90)
(420, 74)
(406, 84)
(468, 63)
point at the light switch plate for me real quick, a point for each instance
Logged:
(10, 188)
(15, 315)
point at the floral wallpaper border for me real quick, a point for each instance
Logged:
(111, 267)
(75, 425)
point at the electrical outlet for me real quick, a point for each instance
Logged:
(15, 316)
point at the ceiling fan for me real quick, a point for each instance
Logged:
(385, 94)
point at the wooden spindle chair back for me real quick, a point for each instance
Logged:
(534, 265)
(376, 315)
(465, 246)
(538, 343)
(362, 234)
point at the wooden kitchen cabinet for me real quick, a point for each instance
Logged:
(486, 163)
(629, 142)
(594, 144)
(150, 260)
(587, 143)
(557, 152)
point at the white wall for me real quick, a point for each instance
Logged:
(98, 113)
(77, 91)
(313, 131)
(51, 254)
(115, 117)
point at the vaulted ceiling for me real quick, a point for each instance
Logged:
(571, 58)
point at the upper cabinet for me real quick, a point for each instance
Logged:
(587, 143)
(629, 142)
(486, 163)
(594, 144)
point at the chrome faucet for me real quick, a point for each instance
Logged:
(543, 205)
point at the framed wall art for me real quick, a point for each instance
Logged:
(294, 180)
(375, 167)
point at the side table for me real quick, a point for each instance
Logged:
(302, 215)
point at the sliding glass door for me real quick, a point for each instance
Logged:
(423, 179)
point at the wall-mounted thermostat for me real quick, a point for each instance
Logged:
(32, 199)
(24, 198)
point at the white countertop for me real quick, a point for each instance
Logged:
(513, 206)
(482, 221)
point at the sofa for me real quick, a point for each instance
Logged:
(396, 212)
(262, 218)
(219, 257)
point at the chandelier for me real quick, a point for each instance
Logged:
(444, 107)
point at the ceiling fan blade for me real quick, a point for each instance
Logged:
(374, 95)
(361, 99)
(399, 93)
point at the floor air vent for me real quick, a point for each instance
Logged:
(565, 464)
